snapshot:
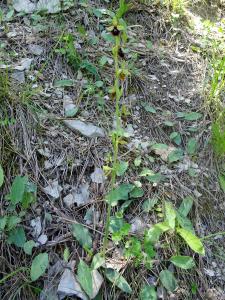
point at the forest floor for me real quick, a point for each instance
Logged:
(58, 67)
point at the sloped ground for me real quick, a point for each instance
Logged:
(167, 78)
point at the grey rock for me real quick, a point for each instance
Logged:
(69, 200)
(25, 64)
(35, 49)
(53, 189)
(27, 6)
(69, 286)
(42, 239)
(24, 6)
(52, 6)
(86, 129)
(81, 196)
(98, 176)
(37, 227)
(19, 76)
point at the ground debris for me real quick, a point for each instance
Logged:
(69, 286)
(53, 189)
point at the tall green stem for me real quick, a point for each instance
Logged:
(115, 136)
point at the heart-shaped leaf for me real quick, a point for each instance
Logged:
(85, 278)
(153, 234)
(149, 204)
(39, 266)
(118, 280)
(137, 192)
(186, 206)
(28, 246)
(168, 280)
(192, 240)
(121, 168)
(119, 193)
(192, 116)
(183, 262)
(97, 261)
(175, 155)
(148, 293)
(82, 235)
(18, 189)
(17, 237)
(170, 214)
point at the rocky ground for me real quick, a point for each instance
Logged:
(55, 126)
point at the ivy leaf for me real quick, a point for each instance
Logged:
(186, 206)
(97, 261)
(137, 192)
(176, 137)
(168, 123)
(149, 204)
(183, 262)
(118, 280)
(192, 146)
(170, 214)
(17, 237)
(85, 278)
(146, 172)
(12, 222)
(121, 168)
(168, 280)
(64, 83)
(184, 222)
(39, 266)
(18, 189)
(28, 247)
(119, 193)
(148, 293)
(192, 240)
(175, 155)
(156, 178)
(153, 234)
(1, 176)
(82, 235)
(192, 116)
(148, 108)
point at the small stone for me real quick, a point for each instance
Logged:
(24, 64)
(19, 76)
(69, 285)
(37, 227)
(24, 6)
(197, 194)
(42, 240)
(51, 6)
(45, 152)
(53, 189)
(86, 129)
(35, 49)
(209, 272)
(98, 176)
(48, 165)
(69, 200)
(81, 197)
(137, 225)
